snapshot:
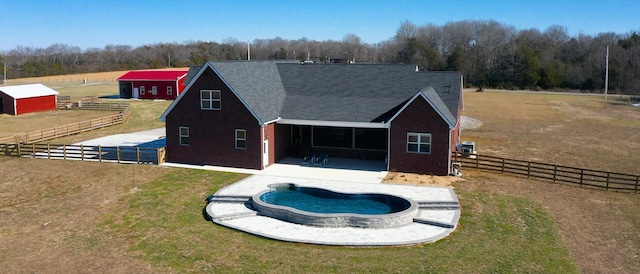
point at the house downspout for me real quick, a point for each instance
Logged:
(262, 147)
(449, 153)
(388, 146)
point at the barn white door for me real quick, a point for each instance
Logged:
(135, 92)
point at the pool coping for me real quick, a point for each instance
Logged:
(228, 208)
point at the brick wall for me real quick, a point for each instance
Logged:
(419, 117)
(212, 132)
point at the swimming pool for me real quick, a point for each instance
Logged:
(325, 208)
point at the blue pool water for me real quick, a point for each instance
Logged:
(324, 201)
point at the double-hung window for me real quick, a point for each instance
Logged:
(141, 90)
(241, 139)
(210, 100)
(169, 90)
(419, 142)
(154, 90)
(184, 136)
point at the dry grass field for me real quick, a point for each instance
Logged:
(11, 125)
(560, 129)
(76, 79)
(66, 216)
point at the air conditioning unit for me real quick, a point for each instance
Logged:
(468, 147)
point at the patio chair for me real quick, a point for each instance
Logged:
(322, 160)
(308, 160)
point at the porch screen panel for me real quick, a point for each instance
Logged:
(371, 138)
(341, 137)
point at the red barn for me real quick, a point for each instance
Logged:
(152, 84)
(27, 98)
(252, 114)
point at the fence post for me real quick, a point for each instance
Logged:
(555, 171)
(477, 162)
(608, 174)
(64, 151)
(48, 150)
(528, 169)
(99, 153)
(118, 154)
(33, 150)
(138, 154)
(637, 183)
(502, 167)
(19, 152)
(81, 152)
(581, 176)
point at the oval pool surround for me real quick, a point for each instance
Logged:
(401, 210)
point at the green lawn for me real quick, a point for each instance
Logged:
(497, 233)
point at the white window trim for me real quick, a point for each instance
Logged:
(419, 142)
(211, 99)
(169, 90)
(142, 90)
(180, 136)
(154, 90)
(241, 139)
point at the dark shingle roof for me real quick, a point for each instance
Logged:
(358, 92)
(336, 92)
(257, 83)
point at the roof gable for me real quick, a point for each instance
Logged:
(153, 75)
(27, 91)
(432, 98)
(254, 94)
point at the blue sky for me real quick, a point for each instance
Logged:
(99, 23)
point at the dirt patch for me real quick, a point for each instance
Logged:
(467, 122)
(420, 179)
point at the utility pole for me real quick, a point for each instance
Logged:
(606, 79)
(248, 51)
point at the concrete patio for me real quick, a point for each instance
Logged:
(338, 169)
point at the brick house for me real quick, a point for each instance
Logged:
(251, 114)
(152, 84)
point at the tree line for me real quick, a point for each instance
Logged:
(488, 53)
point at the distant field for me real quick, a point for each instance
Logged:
(75, 79)
(562, 129)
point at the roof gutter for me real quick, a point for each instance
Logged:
(272, 121)
(332, 123)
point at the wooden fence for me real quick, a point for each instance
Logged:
(66, 102)
(118, 154)
(549, 172)
(75, 128)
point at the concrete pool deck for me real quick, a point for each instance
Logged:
(438, 216)
(338, 169)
